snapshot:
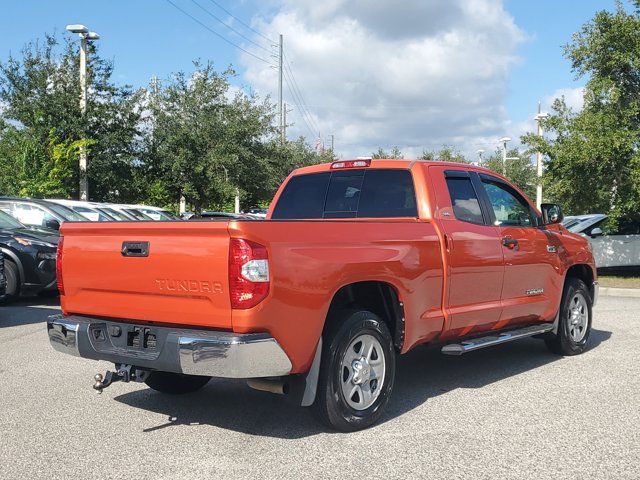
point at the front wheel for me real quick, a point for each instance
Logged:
(175, 383)
(12, 278)
(357, 372)
(574, 325)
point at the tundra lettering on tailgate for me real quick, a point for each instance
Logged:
(190, 286)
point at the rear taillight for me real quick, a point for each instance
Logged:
(248, 273)
(59, 266)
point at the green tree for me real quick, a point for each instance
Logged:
(593, 156)
(521, 171)
(43, 126)
(394, 154)
(446, 154)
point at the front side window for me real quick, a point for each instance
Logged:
(509, 208)
(464, 200)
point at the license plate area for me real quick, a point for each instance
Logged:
(126, 339)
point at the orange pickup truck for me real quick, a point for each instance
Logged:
(358, 261)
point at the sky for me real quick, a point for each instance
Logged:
(416, 74)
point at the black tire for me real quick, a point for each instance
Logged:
(330, 405)
(563, 343)
(13, 282)
(175, 383)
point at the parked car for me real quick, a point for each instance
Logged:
(155, 213)
(206, 215)
(617, 247)
(29, 257)
(39, 213)
(3, 280)
(129, 211)
(87, 209)
(359, 261)
(117, 215)
(258, 212)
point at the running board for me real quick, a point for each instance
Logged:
(491, 340)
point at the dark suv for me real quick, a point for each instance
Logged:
(29, 257)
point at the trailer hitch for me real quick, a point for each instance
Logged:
(123, 373)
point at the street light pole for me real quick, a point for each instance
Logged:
(540, 116)
(504, 141)
(85, 37)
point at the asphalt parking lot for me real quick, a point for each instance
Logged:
(514, 411)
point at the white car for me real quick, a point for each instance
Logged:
(90, 211)
(612, 248)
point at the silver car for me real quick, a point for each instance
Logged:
(612, 248)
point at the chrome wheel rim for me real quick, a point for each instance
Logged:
(578, 317)
(362, 372)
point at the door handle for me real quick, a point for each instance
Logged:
(135, 249)
(510, 243)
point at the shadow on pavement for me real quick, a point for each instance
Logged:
(422, 374)
(28, 310)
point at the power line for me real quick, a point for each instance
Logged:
(297, 88)
(240, 21)
(217, 34)
(230, 27)
(306, 115)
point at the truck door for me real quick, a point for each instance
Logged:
(531, 276)
(474, 256)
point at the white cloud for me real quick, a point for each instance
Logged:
(412, 73)
(573, 97)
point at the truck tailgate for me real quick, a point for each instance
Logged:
(181, 278)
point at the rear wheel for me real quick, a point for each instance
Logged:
(574, 325)
(13, 281)
(175, 383)
(357, 372)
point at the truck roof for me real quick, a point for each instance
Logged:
(392, 163)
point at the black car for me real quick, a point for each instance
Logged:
(3, 282)
(29, 257)
(38, 213)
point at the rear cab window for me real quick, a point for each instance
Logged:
(357, 193)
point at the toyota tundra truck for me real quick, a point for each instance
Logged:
(357, 262)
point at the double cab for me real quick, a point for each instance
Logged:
(357, 262)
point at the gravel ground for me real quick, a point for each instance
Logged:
(514, 411)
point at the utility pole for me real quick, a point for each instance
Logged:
(480, 152)
(332, 141)
(280, 106)
(504, 141)
(285, 124)
(540, 116)
(85, 37)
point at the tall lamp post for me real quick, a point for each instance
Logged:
(85, 37)
(504, 141)
(540, 116)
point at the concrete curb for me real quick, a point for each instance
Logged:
(620, 292)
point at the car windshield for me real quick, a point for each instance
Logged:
(114, 213)
(66, 213)
(577, 224)
(8, 222)
(158, 214)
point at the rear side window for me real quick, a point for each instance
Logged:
(464, 200)
(303, 197)
(348, 194)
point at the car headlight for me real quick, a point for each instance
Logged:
(46, 255)
(36, 243)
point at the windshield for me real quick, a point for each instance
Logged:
(8, 222)
(66, 213)
(158, 214)
(577, 224)
(115, 214)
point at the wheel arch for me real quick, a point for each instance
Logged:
(9, 254)
(584, 272)
(377, 296)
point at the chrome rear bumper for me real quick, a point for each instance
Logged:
(191, 352)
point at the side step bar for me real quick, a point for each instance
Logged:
(495, 339)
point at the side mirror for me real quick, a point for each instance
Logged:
(52, 224)
(551, 213)
(596, 232)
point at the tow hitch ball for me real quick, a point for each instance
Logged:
(123, 373)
